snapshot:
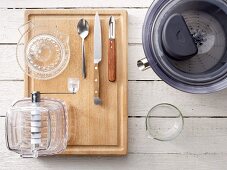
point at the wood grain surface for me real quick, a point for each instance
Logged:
(93, 129)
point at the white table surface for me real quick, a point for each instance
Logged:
(201, 146)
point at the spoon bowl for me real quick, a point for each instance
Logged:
(83, 28)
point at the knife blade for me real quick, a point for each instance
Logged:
(111, 51)
(97, 58)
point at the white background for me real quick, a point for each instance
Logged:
(203, 143)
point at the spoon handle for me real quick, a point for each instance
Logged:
(83, 61)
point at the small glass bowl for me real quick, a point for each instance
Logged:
(164, 122)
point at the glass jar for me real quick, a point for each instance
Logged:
(37, 128)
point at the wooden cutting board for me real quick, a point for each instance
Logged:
(93, 130)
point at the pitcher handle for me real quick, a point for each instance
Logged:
(20, 29)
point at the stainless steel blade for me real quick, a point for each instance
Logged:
(97, 40)
(112, 28)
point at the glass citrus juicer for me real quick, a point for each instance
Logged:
(42, 52)
(38, 126)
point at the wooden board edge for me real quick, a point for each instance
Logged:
(125, 116)
(87, 151)
(26, 77)
(120, 11)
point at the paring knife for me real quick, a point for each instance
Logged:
(97, 58)
(111, 51)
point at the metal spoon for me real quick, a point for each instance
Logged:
(83, 31)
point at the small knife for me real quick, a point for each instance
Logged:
(111, 51)
(97, 58)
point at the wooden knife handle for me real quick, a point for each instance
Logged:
(112, 61)
(96, 81)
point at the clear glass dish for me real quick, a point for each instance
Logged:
(164, 122)
(37, 129)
